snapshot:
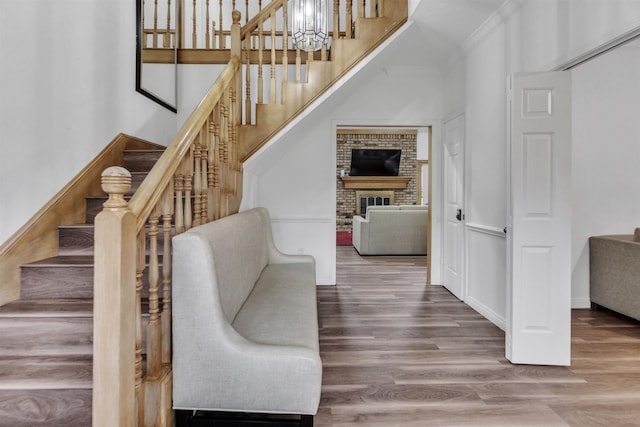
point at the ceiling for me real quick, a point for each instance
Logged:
(440, 27)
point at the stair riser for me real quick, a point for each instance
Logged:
(51, 408)
(63, 282)
(75, 241)
(141, 161)
(80, 241)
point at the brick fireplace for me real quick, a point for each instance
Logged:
(347, 139)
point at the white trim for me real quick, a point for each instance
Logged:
(302, 219)
(599, 50)
(486, 229)
(491, 23)
(580, 303)
(486, 312)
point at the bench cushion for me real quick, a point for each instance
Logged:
(281, 309)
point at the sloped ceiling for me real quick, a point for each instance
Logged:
(440, 27)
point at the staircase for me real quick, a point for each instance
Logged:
(47, 367)
(46, 337)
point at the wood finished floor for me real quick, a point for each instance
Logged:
(399, 353)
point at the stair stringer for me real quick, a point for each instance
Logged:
(346, 55)
(251, 161)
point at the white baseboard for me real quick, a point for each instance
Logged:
(580, 303)
(489, 314)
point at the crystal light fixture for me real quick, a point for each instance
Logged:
(309, 26)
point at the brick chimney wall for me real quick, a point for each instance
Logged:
(347, 139)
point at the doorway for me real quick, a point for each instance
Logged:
(415, 170)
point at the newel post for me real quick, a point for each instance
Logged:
(114, 306)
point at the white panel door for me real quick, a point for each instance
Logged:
(539, 234)
(453, 205)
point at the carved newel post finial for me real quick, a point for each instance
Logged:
(236, 15)
(116, 181)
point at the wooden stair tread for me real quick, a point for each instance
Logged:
(60, 307)
(44, 373)
(63, 261)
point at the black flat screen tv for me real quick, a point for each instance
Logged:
(374, 162)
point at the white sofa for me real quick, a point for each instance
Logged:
(391, 230)
(245, 326)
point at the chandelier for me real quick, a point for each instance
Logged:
(309, 24)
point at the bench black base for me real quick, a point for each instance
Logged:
(236, 419)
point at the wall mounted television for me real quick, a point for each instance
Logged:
(374, 162)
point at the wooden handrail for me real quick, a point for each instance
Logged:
(264, 14)
(151, 189)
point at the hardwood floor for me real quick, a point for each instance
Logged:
(399, 353)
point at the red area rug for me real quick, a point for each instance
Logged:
(343, 238)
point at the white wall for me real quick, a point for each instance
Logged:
(606, 155)
(295, 176)
(67, 85)
(523, 36)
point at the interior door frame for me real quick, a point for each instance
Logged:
(463, 201)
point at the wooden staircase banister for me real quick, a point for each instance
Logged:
(264, 14)
(197, 179)
(150, 191)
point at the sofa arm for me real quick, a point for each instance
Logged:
(614, 263)
(360, 235)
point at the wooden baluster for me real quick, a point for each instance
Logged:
(204, 147)
(114, 399)
(309, 61)
(260, 49)
(236, 50)
(179, 186)
(222, 43)
(361, 8)
(323, 53)
(155, 24)
(213, 178)
(285, 50)
(143, 23)
(188, 186)
(336, 19)
(246, 11)
(207, 35)
(194, 34)
(214, 42)
(272, 91)
(180, 26)
(197, 185)
(154, 339)
(298, 66)
(247, 84)
(224, 107)
(224, 157)
(167, 214)
(348, 21)
(167, 36)
(141, 264)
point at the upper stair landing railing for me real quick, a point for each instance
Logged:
(202, 28)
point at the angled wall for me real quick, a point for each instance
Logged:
(67, 79)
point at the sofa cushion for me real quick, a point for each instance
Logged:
(281, 309)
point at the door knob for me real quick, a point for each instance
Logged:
(459, 216)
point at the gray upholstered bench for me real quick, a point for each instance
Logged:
(245, 326)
